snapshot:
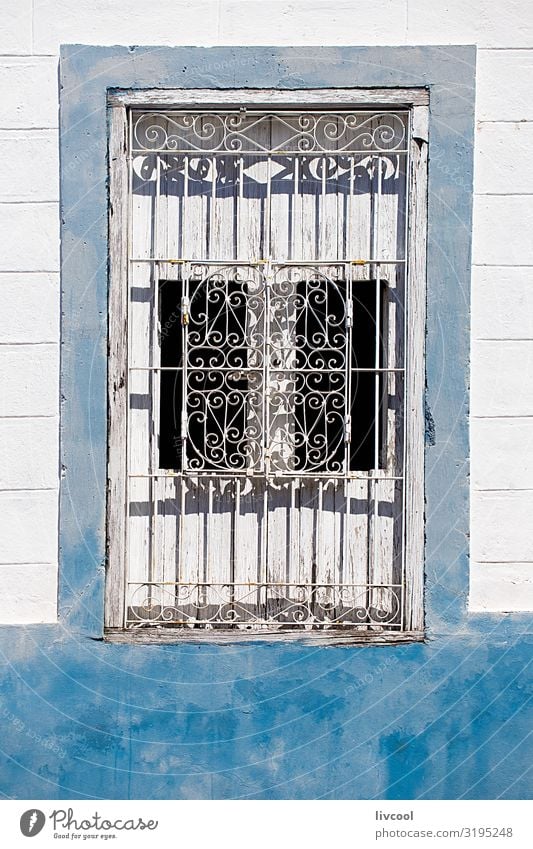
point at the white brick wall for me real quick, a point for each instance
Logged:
(502, 288)
(501, 570)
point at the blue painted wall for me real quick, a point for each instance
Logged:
(83, 718)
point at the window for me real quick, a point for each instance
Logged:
(266, 362)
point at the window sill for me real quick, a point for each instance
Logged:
(158, 636)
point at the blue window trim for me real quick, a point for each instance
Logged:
(86, 75)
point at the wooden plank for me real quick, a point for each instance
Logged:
(382, 601)
(139, 443)
(415, 363)
(293, 541)
(196, 189)
(281, 195)
(138, 551)
(143, 206)
(247, 566)
(117, 373)
(279, 509)
(145, 521)
(328, 223)
(360, 211)
(224, 637)
(252, 203)
(355, 571)
(220, 548)
(198, 571)
(309, 207)
(190, 546)
(389, 245)
(202, 98)
(339, 529)
(327, 567)
(307, 548)
(169, 514)
(140, 488)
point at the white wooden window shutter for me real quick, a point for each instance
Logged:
(267, 280)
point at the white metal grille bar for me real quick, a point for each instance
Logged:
(247, 370)
(141, 151)
(261, 584)
(154, 381)
(303, 263)
(253, 474)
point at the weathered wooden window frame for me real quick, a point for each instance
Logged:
(414, 99)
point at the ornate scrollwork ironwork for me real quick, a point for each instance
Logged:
(264, 604)
(238, 132)
(308, 353)
(266, 363)
(224, 361)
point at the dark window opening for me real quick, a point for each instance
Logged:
(214, 364)
(363, 384)
(215, 386)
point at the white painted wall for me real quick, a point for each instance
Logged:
(502, 288)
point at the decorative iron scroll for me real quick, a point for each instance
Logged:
(308, 351)
(266, 362)
(225, 354)
(264, 604)
(239, 132)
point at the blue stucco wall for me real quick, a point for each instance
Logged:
(83, 718)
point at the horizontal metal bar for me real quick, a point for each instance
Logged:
(229, 369)
(311, 262)
(294, 370)
(274, 369)
(236, 263)
(227, 474)
(304, 109)
(248, 626)
(194, 152)
(265, 584)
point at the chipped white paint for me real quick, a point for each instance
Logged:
(502, 227)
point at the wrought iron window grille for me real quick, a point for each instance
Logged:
(267, 326)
